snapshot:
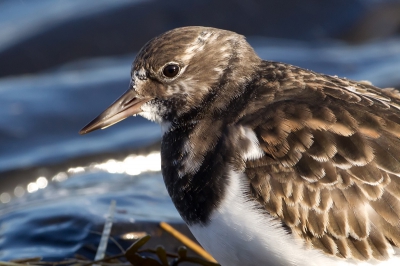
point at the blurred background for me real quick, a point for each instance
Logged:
(63, 61)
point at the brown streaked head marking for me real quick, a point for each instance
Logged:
(203, 56)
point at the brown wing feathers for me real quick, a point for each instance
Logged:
(332, 168)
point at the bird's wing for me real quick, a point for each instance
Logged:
(331, 169)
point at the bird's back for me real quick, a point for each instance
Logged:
(318, 156)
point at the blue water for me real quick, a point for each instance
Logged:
(41, 114)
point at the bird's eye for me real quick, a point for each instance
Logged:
(171, 70)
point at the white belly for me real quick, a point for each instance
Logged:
(239, 235)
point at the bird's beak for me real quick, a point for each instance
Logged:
(126, 105)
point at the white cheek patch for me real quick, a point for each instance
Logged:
(152, 112)
(253, 152)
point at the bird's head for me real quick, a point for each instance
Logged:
(174, 72)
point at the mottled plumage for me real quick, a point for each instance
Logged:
(312, 156)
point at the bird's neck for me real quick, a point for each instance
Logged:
(193, 172)
(196, 151)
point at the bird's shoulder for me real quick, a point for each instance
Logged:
(328, 163)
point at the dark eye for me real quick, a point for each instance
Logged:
(171, 70)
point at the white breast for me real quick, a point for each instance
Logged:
(240, 234)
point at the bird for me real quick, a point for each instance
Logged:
(268, 163)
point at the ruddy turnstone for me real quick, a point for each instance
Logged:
(268, 163)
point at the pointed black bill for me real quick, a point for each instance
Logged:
(126, 105)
